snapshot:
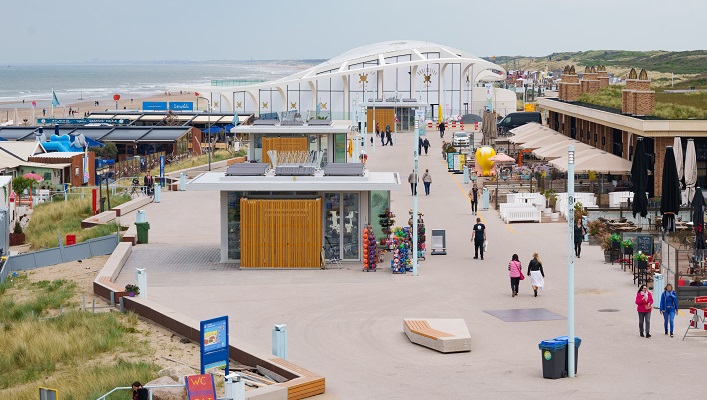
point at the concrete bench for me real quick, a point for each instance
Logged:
(130, 235)
(443, 335)
(116, 261)
(98, 219)
(523, 214)
(131, 205)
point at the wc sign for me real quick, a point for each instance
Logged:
(200, 387)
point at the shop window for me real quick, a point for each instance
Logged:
(379, 201)
(340, 148)
(234, 225)
(332, 225)
(350, 217)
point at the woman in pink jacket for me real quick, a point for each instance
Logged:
(514, 271)
(644, 301)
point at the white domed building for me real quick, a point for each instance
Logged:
(397, 76)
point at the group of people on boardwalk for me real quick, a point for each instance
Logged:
(386, 135)
(535, 272)
(668, 308)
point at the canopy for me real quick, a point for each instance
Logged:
(533, 131)
(544, 140)
(560, 149)
(639, 179)
(502, 158)
(594, 160)
(690, 169)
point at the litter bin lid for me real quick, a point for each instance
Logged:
(552, 345)
(565, 339)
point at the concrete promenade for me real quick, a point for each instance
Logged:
(347, 325)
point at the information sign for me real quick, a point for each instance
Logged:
(214, 343)
(644, 244)
(154, 105)
(181, 105)
(201, 387)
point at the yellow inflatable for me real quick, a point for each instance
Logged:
(484, 166)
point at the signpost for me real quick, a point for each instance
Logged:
(214, 343)
(201, 387)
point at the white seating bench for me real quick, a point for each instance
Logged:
(504, 207)
(523, 214)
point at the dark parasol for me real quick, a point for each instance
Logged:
(671, 197)
(639, 179)
(698, 219)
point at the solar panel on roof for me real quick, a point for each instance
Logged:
(294, 171)
(343, 169)
(247, 169)
(265, 122)
(323, 122)
(292, 123)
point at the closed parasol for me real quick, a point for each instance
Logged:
(671, 196)
(698, 219)
(690, 169)
(639, 179)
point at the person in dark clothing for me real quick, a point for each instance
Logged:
(579, 232)
(536, 273)
(474, 197)
(147, 183)
(388, 135)
(426, 145)
(139, 392)
(420, 143)
(478, 237)
(441, 129)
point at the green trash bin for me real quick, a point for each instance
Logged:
(142, 229)
(554, 354)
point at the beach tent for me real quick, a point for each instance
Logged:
(594, 160)
(560, 149)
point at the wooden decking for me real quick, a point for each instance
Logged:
(307, 385)
(422, 328)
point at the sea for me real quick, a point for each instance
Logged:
(76, 82)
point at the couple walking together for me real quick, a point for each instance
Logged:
(535, 272)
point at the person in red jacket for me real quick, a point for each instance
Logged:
(644, 301)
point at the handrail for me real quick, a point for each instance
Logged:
(146, 387)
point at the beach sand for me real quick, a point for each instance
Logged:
(7, 110)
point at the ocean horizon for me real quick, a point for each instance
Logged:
(101, 80)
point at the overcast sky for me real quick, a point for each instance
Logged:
(157, 30)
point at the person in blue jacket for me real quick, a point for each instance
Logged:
(668, 307)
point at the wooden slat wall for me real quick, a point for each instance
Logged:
(383, 117)
(284, 144)
(281, 233)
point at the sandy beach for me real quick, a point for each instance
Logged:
(7, 109)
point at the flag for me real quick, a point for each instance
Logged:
(55, 101)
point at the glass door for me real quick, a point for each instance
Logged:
(341, 225)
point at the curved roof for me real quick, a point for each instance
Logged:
(377, 56)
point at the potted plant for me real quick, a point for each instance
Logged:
(579, 211)
(17, 236)
(595, 229)
(132, 289)
(605, 244)
(641, 260)
(628, 246)
(615, 239)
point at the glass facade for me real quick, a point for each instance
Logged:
(341, 225)
(340, 148)
(234, 225)
(379, 201)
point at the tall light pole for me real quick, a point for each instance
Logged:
(570, 266)
(208, 131)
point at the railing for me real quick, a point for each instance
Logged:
(149, 388)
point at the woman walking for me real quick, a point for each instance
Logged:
(474, 197)
(427, 180)
(668, 307)
(579, 232)
(644, 301)
(536, 274)
(515, 270)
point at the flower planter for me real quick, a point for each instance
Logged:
(131, 294)
(616, 245)
(593, 240)
(641, 264)
(17, 239)
(628, 250)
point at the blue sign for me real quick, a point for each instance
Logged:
(162, 171)
(214, 343)
(181, 105)
(154, 105)
(80, 121)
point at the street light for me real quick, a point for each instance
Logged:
(208, 130)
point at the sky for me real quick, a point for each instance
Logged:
(79, 31)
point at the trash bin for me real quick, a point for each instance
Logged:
(658, 284)
(485, 199)
(577, 343)
(70, 239)
(554, 358)
(142, 228)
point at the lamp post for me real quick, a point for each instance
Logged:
(570, 266)
(208, 130)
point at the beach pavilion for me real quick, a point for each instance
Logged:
(391, 77)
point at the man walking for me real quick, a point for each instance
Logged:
(412, 179)
(388, 135)
(427, 181)
(426, 145)
(479, 236)
(474, 196)
(441, 129)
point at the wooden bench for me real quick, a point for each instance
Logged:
(130, 235)
(307, 385)
(98, 219)
(523, 214)
(421, 327)
(443, 335)
(131, 205)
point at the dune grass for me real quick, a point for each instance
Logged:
(73, 352)
(65, 218)
(667, 105)
(218, 155)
